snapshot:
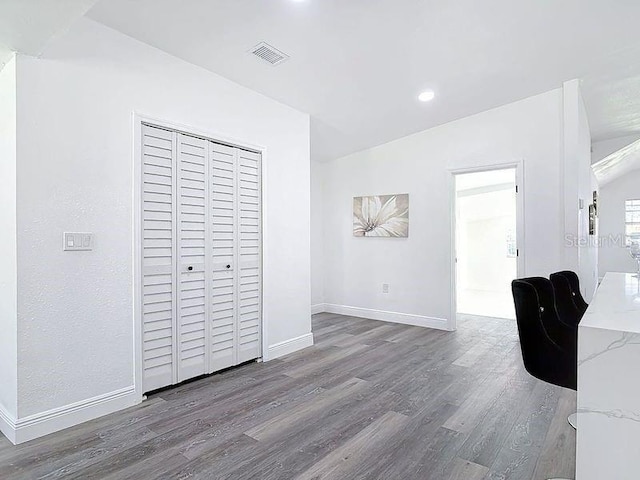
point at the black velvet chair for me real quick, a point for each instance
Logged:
(566, 307)
(549, 346)
(574, 283)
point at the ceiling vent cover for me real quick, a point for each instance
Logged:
(269, 54)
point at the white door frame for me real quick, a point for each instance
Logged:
(138, 119)
(520, 244)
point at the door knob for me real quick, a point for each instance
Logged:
(190, 268)
(228, 266)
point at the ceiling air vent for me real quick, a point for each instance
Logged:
(269, 54)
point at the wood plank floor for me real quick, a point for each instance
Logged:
(370, 400)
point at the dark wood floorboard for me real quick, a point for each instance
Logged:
(370, 400)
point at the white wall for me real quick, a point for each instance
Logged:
(8, 258)
(317, 244)
(75, 143)
(580, 253)
(418, 268)
(613, 256)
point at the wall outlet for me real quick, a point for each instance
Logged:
(385, 288)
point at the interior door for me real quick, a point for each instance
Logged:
(250, 278)
(158, 267)
(192, 266)
(201, 256)
(223, 173)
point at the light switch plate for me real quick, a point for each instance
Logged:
(77, 241)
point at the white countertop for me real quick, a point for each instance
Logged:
(608, 435)
(616, 304)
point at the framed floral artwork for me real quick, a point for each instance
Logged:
(381, 216)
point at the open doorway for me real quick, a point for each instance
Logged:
(486, 242)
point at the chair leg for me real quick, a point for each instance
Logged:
(573, 420)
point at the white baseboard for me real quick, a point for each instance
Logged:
(41, 424)
(394, 317)
(7, 425)
(289, 346)
(318, 308)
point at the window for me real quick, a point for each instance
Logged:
(631, 220)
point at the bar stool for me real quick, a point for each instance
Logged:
(566, 307)
(574, 283)
(548, 345)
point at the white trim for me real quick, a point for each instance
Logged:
(290, 346)
(393, 317)
(54, 420)
(205, 133)
(318, 308)
(137, 254)
(264, 249)
(453, 304)
(7, 425)
(520, 223)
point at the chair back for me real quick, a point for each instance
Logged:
(548, 346)
(574, 283)
(565, 304)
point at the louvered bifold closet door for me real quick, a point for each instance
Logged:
(249, 255)
(158, 247)
(223, 252)
(193, 341)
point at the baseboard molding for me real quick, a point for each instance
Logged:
(394, 317)
(290, 346)
(7, 425)
(318, 308)
(41, 424)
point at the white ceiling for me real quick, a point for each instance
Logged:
(27, 25)
(604, 148)
(618, 164)
(5, 55)
(611, 90)
(357, 66)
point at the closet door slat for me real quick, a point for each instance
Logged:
(224, 230)
(193, 317)
(249, 287)
(158, 266)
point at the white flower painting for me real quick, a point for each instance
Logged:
(381, 216)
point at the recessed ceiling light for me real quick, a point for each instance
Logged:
(426, 96)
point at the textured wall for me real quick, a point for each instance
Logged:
(76, 106)
(8, 258)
